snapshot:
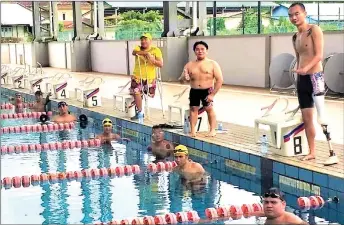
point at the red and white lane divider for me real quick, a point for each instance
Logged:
(34, 115)
(70, 144)
(226, 212)
(169, 218)
(44, 178)
(24, 181)
(11, 106)
(6, 106)
(38, 128)
(161, 166)
(314, 202)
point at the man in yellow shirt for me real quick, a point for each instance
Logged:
(150, 58)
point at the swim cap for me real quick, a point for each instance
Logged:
(107, 121)
(181, 150)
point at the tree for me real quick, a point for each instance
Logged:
(133, 24)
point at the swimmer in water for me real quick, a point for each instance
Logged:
(193, 174)
(18, 103)
(64, 116)
(40, 104)
(161, 148)
(107, 136)
(274, 206)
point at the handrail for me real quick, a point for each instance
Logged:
(270, 107)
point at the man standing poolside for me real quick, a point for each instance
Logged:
(201, 73)
(147, 59)
(308, 44)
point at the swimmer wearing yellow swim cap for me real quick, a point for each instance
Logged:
(191, 172)
(107, 136)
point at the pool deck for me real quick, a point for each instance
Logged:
(244, 105)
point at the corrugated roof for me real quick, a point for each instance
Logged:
(12, 14)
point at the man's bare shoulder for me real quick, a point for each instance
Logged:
(197, 166)
(291, 218)
(314, 29)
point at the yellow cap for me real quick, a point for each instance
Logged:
(146, 35)
(181, 150)
(107, 121)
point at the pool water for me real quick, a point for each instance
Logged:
(105, 199)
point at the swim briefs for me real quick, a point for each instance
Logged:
(200, 95)
(308, 86)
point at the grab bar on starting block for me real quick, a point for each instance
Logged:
(270, 107)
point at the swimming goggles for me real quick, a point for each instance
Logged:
(60, 104)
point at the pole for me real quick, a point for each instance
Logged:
(214, 17)
(259, 17)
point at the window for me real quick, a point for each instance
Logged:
(64, 16)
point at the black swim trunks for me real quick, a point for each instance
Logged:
(305, 91)
(199, 95)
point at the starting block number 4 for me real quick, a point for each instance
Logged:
(92, 98)
(61, 91)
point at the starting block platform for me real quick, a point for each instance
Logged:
(287, 132)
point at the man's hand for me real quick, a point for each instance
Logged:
(150, 57)
(300, 71)
(210, 97)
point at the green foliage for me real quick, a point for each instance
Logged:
(133, 24)
(250, 24)
(61, 27)
(283, 25)
(220, 23)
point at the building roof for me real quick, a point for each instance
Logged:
(328, 11)
(13, 14)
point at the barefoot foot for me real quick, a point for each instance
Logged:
(211, 134)
(193, 134)
(308, 157)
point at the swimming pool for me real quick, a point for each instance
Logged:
(107, 199)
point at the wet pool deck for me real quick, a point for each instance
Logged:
(242, 107)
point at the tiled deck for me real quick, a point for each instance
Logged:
(240, 135)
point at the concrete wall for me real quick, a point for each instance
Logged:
(57, 54)
(244, 60)
(109, 57)
(5, 53)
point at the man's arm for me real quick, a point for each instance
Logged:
(218, 78)
(185, 72)
(318, 42)
(137, 51)
(156, 59)
(296, 53)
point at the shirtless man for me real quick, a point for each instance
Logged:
(107, 136)
(40, 104)
(274, 209)
(18, 103)
(161, 148)
(64, 116)
(308, 45)
(201, 74)
(192, 173)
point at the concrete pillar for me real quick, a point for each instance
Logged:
(80, 56)
(36, 21)
(202, 17)
(101, 30)
(55, 20)
(170, 17)
(77, 22)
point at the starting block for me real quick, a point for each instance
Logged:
(4, 78)
(92, 97)
(181, 111)
(288, 137)
(18, 81)
(202, 124)
(122, 98)
(60, 90)
(36, 85)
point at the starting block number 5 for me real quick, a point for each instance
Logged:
(92, 98)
